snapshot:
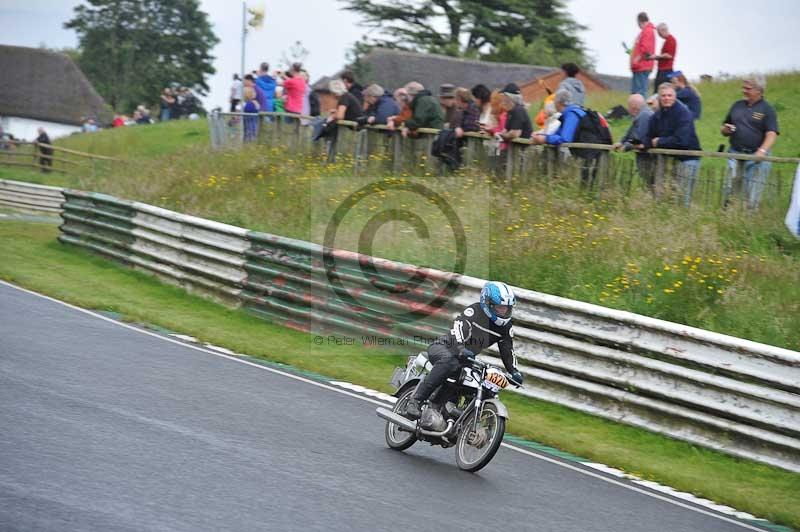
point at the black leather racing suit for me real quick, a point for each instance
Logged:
(472, 330)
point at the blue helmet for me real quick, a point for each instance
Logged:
(497, 301)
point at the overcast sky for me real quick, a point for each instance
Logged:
(733, 36)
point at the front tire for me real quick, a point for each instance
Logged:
(475, 449)
(397, 439)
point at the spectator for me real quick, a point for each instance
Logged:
(236, 93)
(644, 48)
(144, 115)
(118, 120)
(261, 98)
(483, 97)
(634, 137)
(752, 126)
(470, 113)
(672, 127)
(571, 116)
(652, 102)
(552, 119)
(278, 101)
(572, 84)
(347, 106)
(666, 59)
(89, 125)
(45, 151)
(352, 87)
(687, 93)
(167, 103)
(266, 85)
(251, 106)
(307, 96)
(294, 89)
(498, 114)
(518, 124)
(447, 99)
(426, 111)
(403, 101)
(380, 105)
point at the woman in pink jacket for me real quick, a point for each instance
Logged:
(294, 89)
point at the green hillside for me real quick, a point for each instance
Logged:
(730, 271)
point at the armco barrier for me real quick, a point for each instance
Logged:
(725, 393)
(30, 197)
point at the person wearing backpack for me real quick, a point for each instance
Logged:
(578, 125)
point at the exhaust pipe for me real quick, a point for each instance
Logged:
(435, 434)
(397, 419)
(411, 426)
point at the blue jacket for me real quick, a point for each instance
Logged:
(674, 128)
(570, 119)
(267, 84)
(384, 108)
(691, 100)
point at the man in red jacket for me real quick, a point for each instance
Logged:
(666, 59)
(642, 55)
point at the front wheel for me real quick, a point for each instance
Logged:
(398, 439)
(476, 448)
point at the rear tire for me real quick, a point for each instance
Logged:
(475, 450)
(397, 439)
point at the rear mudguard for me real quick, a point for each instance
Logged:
(406, 385)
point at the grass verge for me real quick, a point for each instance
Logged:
(31, 257)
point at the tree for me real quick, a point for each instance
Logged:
(473, 28)
(131, 49)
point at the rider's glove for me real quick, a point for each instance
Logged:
(466, 355)
(516, 377)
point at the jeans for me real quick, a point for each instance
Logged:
(754, 179)
(165, 114)
(639, 83)
(686, 176)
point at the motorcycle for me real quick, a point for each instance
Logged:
(464, 412)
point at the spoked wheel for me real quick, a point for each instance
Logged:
(476, 448)
(398, 439)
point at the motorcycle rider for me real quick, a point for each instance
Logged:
(478, 327)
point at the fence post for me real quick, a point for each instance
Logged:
(658, 186)
(397, 153)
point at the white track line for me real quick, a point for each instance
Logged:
(566, 465)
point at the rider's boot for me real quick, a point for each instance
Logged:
(412, 409)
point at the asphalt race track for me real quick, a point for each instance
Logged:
(104, 428)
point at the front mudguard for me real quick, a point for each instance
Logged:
(502, 411)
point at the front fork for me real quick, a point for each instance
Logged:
(478, 408)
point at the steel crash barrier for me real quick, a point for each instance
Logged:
(716, 391)
(30, 197)
(376, 150)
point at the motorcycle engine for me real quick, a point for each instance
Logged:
(432, 420)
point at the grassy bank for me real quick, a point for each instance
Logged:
(34, 259)
(729, 271)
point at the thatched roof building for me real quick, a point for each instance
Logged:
(47, 86)
(394, 68)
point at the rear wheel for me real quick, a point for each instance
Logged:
(476, 448)
(396, 438)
